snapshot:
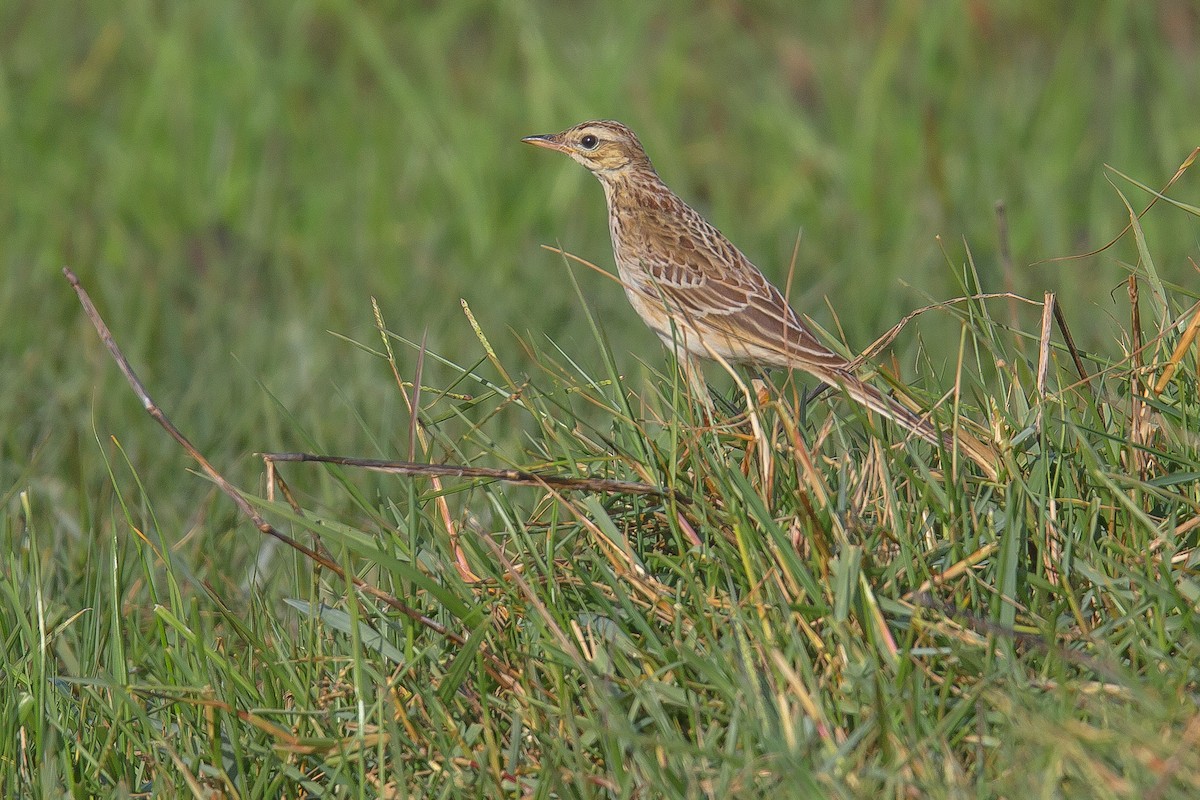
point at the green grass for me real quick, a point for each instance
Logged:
(233, 182)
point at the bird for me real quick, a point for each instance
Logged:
(697, 291)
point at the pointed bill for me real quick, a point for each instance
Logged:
(547, 140)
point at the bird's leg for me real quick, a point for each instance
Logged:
(698, 386)
(811, 396)
(814, 393)
(761, 386)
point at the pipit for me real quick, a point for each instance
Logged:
(694, 288)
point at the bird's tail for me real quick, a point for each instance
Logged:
(872, 398)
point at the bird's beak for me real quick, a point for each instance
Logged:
(547, 140)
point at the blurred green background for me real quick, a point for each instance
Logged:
(232, 181)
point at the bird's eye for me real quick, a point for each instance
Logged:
(589, 142)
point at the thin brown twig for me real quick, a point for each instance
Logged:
(1043, 370)
(517, 476)
(1187, 163)
(1061, 319)
(504, 674)
(275, 481)
(891, 333)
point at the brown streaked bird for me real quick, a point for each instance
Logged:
(694, 288)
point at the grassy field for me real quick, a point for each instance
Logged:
(817, 612)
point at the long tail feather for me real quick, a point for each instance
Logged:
(875, 400)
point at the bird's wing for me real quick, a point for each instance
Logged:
(703, 278)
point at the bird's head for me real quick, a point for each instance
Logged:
(604, 146)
